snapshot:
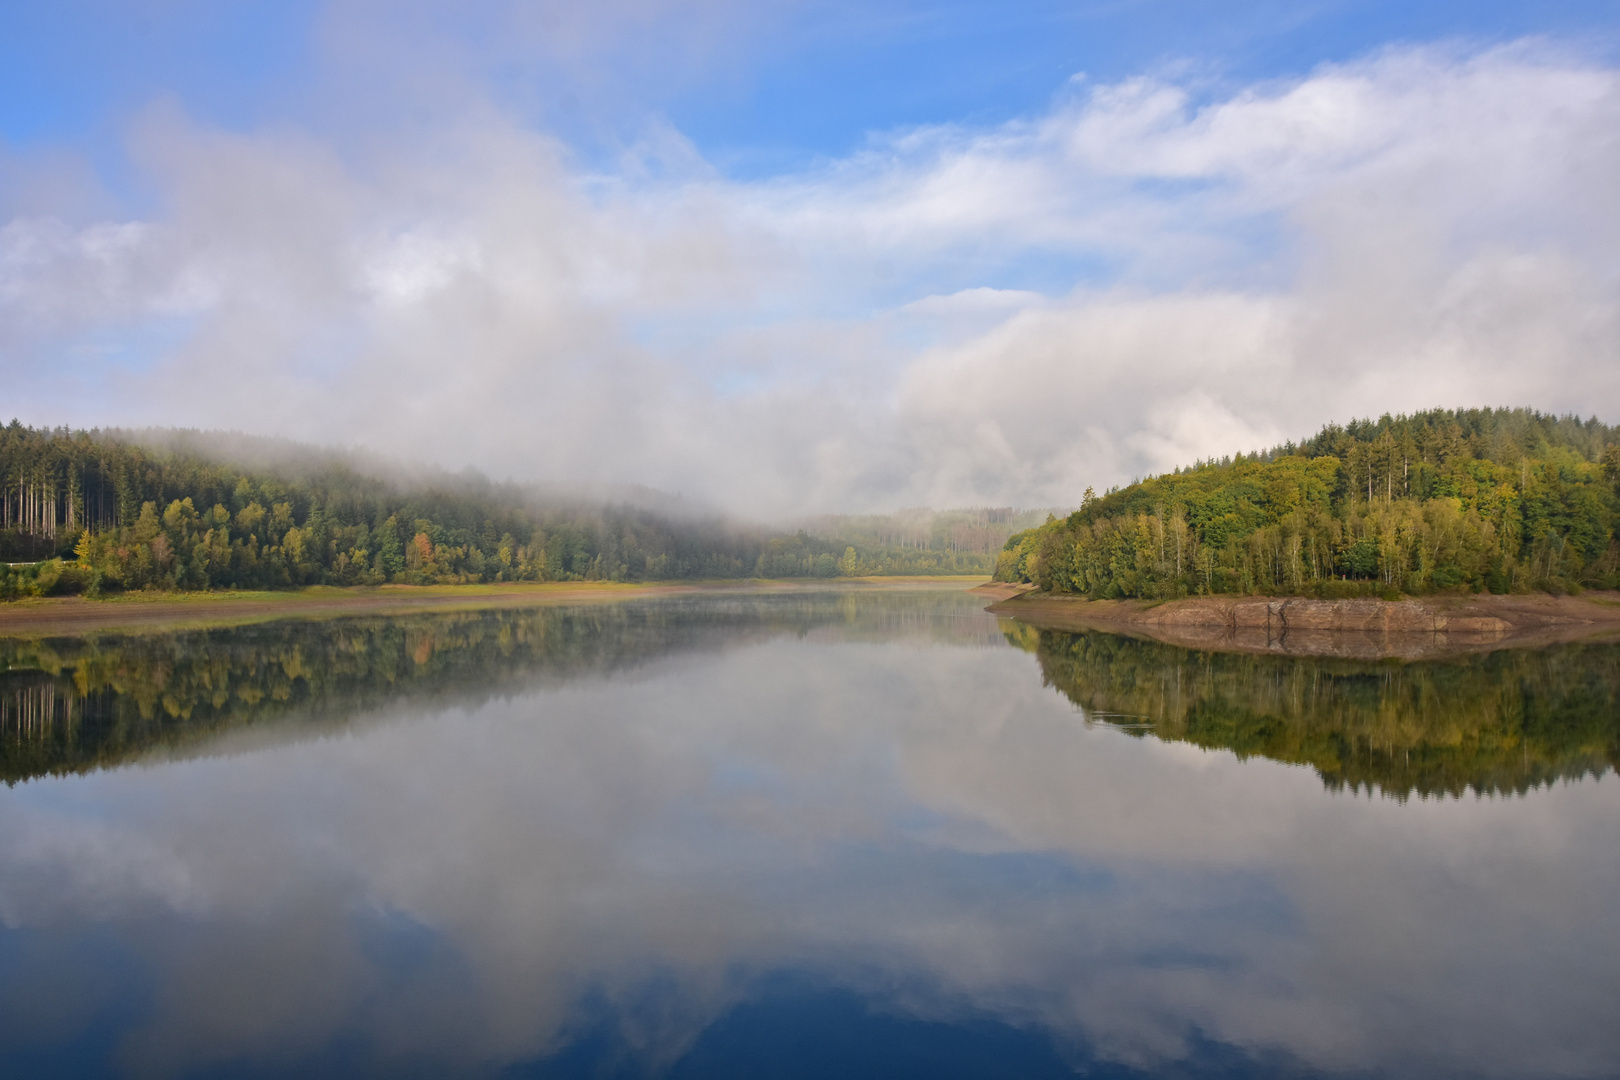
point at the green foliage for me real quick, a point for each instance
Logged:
(71, 705)
(1505, 500)
(1496, 723)
(52, 577)
(128, 515)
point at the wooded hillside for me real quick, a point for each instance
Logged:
(101, 511)
(1501, 500)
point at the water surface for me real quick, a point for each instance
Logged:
(854, 833)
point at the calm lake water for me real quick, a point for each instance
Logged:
(848, 833)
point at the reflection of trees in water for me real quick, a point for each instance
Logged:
(72, 705)
(1504, 722)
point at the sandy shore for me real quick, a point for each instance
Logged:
(1363, 629)
(144, 612)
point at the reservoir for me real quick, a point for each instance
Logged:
(858, 832)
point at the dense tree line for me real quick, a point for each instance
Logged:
(1504, 500)
(118, 512)
(1496, 723)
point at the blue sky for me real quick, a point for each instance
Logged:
(799, 256)
(792, 82)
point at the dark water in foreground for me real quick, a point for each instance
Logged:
(799, 835)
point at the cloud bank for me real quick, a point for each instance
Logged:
(1147, 273)
(924, 822)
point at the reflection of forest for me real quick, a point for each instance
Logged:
(76, 704)
(1503, 722)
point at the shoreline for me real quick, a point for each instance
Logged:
(124, 613)
(1363, 629)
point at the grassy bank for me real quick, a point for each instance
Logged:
(137, 612)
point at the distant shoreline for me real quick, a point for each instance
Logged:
(1355, 629)
(144, 612)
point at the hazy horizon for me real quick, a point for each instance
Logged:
(813, 258)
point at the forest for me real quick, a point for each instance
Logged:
(99, 511)
(1496, 723)
(1504, 500)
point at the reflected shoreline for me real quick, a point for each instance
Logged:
(1494, 723)
(875, 833)
(1506, 721)
(77, 616)
(1360, 629)
(78, 704)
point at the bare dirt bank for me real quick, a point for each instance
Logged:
(1362, 629)
(144, 612)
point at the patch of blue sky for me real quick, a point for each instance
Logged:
(805, 83)
(1168, 188)
(661, 333)
(75, 73)
(918, 306)
(820, 94)
(883, 292)
(1259, 251)
(132, 348)
(66, 66)
(81, 378)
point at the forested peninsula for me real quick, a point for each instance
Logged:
(99, 512)
(1466, 500)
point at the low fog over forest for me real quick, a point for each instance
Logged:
(104, 511)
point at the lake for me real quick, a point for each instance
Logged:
(851, 832)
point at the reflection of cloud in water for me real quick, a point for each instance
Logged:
(77, 704)
(922, 823)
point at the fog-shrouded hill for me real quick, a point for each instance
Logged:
(1504, 500)
(164, 509)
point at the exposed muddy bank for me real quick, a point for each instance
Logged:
(1360, 629)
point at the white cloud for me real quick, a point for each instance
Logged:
(951, 315)
(702, 818)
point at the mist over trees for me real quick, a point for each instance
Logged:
(1505, 500)
(105, 511)
(981, 530)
